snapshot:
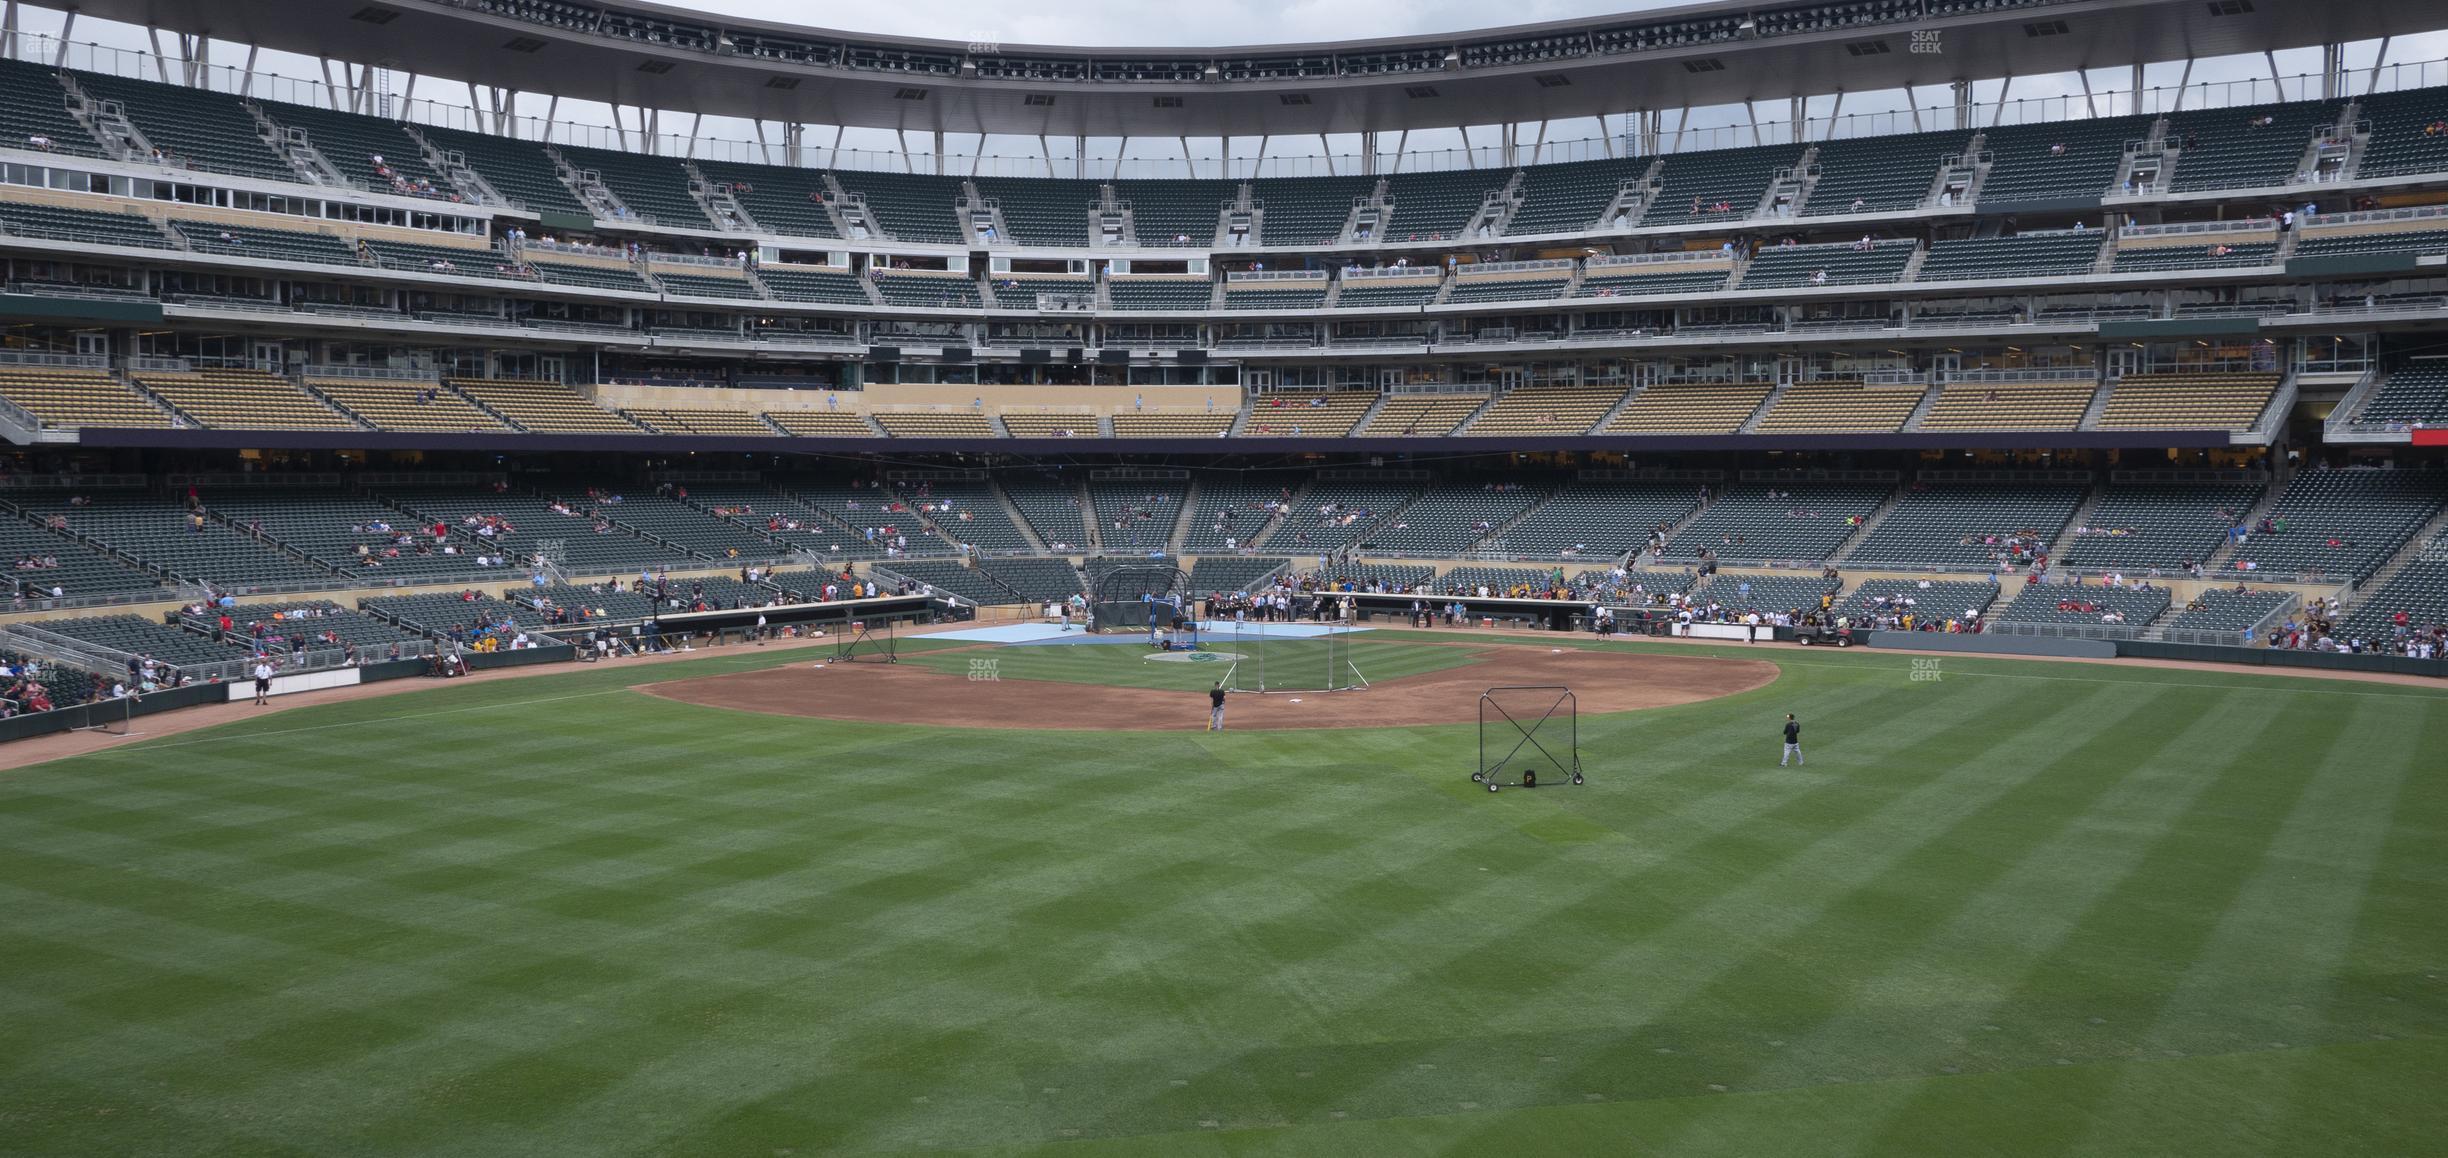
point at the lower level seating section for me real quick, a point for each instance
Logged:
(198, 128)
(1546, 411)
(1690, 408)
(821, 423)
(1231, 512)
(2089, 604)
(289, 627)
(655, 188)
(1052, 508)
(2403, 133)
(2071, 160)
(2420, 592)
(1330, 415)
(1306, 210)
(1638, 587)
(2229, 609)
(584, 545)
(806, 284)
(2253, 147)
(2071, 253)
(1963, 525)
(1843, 263)
(679, 524)
(160, 532)
(783, 199)
(518, 170)
(542, 407)
(1539, 285)
(424, 407)
(733, 423)
(968, 512)
(1926, 601)
(1160, 293)
(1780, 522)
(953, 578)
(1450, 517)
(1619, 281)
(1438, 206)
(67, 686)
(927, 290)
(244, 400)
(351, 143)
(1421, 415)
(1841, 406)
(1884, 174)
(2010, 406)
(1333, 514)
(2187, 401)
(2218, 251)
(136, 635)
(1034, 580)
(1570, 197)
(1025, 293)
(452, 616)
(2424, 238)
(38, 560)
(1274, 295)
(1132, 424)
(1766, 594)
(361, 536)
(802, 525)
(33, 103)
(1049, 211)
(1175, 213)
(1138, 515)
(2138, 527)
(90, 226)
(1382, 576)
(1717, 185)
(936, 424)
(908, 206)
(1598, 519)
(1225, 574)
(1505, 582)
(70, 398)
(2342, 524)
(2415, 393)
(594, 603)
(620, 278)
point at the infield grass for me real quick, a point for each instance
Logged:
(2018, 909)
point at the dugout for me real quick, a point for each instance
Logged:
(740, 621)
(1550, 614)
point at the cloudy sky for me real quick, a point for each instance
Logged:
(1234, 22)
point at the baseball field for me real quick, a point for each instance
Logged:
(2006, 908)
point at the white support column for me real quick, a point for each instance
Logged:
(2184, 80)
(794, 144)
(1797, 117)
(1120, 147)
(1467, 151)
(552, 116)
(697, 122)
(620, 127)
(1539, 145)
(1836, 112)
(8, 30)
(67, 29)
(1682, 122)
(1368, 152)
(2277, 82)
(2005, 85)
(1912, 104)
(939, 153)
(161, 60)
(833, 157)
(977, 156)
(1258, 160)
(399, 112)
(1402, 148)
(2090, 105)
(1326, 151)
(1189, 167)
(1963, 102)
(2333, 71)
(331, 91)
(902, 135)
(1751, 114)
(1606, 138)
(1509, 154)
(2379, 61)
(2137, 89)
(764, 150)
(651, 120)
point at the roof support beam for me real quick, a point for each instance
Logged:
(2333, 71)
(2005, 85)
(1189, 167)
(833, 158)
(2090, 104)
(1606, 137)
(1326, 151)
(8, 30)
(2137, 88)
(2378, 61)
(67, 29)
(2184, 80)
(1836, 112)
(1962, 90)
(1751, 114)
(698, 122)
(2277, 82)
(1402, 143)
(1540, 145)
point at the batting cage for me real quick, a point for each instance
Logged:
(1135, 596)
(867, 641)
(1284, 657)
(1528, 736)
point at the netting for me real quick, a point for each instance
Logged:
(1131, 596)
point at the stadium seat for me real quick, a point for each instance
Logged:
(1176, 213)
(654, 188)
(403, 405)
(198, 128)
(1799, 523)
(1841, 406)
(1958, 525)
(1690, 408)
(2187, 401)
(244, 399)
(71, 398)
(542, 407)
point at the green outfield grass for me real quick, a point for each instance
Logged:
(2007, 909)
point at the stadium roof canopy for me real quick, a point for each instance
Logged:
(661, 57)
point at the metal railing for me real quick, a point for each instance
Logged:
(372, 373)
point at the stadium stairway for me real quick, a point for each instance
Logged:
(2081, 517)
(1011, 510)
(1869, 524)
(2414, 551)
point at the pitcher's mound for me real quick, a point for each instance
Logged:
(1602, 681)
